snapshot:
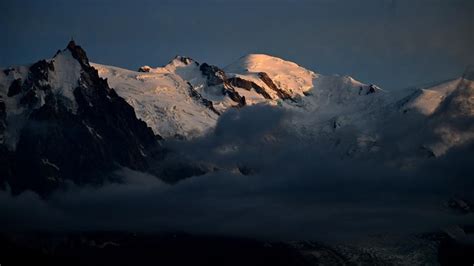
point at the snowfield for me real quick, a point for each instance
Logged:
(161, 98)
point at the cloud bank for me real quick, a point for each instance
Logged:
(286, 188)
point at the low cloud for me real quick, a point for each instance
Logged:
(295, 189)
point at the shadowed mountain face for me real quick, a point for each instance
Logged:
(69, 126)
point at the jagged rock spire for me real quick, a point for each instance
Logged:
(78, 53)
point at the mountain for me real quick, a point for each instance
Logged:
(277, 78)
(185, 98)
(447, 111)
(61, 122)
(67, 119)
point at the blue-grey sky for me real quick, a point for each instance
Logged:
(393, 43)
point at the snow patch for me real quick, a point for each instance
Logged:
(65, 77)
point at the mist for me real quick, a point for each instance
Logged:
(267, 182)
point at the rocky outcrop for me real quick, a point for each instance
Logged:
(144, 69)
(269, 82)
(186, 60)
(214, 75)
(372, 89)
(366, 90)
(198, 97)
(217, 77)
(249, 85)
(14, 88)
(7, 71)
(234, 95)
(78, 53)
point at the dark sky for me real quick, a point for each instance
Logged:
(393, 43)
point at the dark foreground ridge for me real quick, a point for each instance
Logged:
(114, 248)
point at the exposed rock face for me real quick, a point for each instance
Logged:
(372, 89)
(198, 97)
(15, 88)
(248, 85)
(58, 143)
(269, 82)
(78, 53)
(366, 90)
(215, 77)
(234, 95)
(144, 69)
(7, 71)
(186, 60)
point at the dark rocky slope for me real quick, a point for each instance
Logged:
(57, 143)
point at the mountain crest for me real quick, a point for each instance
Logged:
(186, 60)
(179, 60)
(78, 53)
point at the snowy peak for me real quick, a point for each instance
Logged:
(60, 120)
(444, 110)
(259, 62)
(78, 53)
(429, 99)
(176, 63)
(182, 60)
(286, 79)
(287, 76)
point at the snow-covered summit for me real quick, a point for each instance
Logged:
(287, 76)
